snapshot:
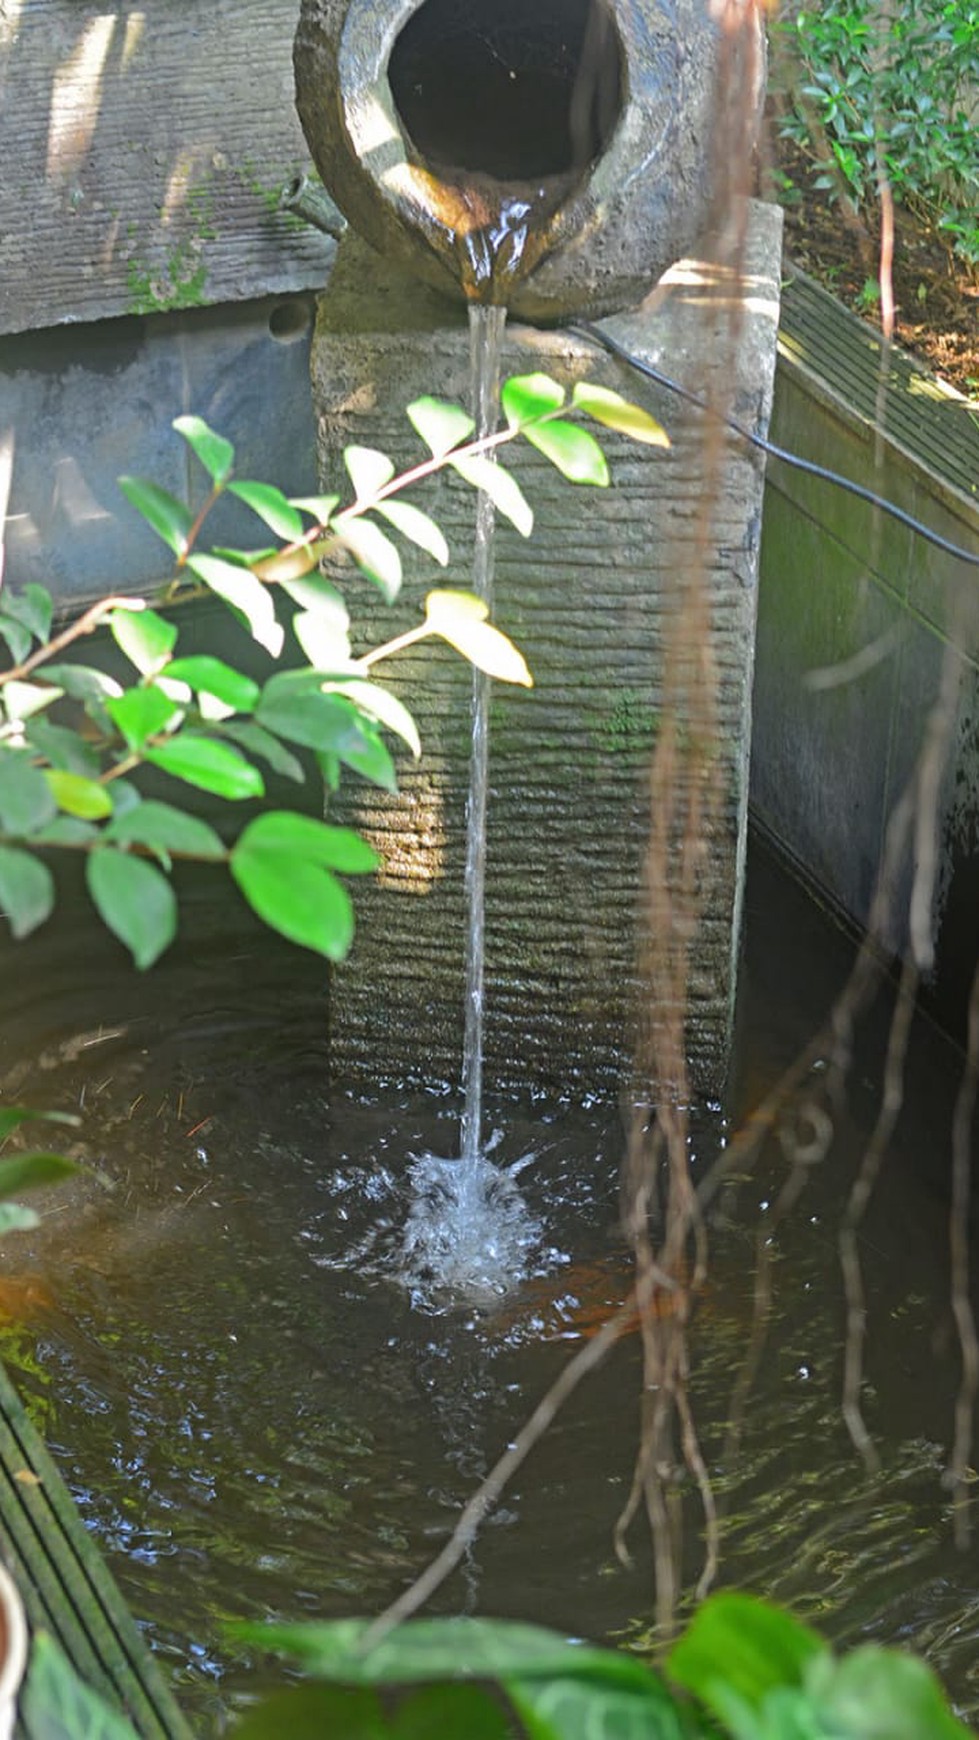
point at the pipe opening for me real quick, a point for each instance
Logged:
(512, 89)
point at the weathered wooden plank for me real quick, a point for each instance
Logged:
(920, 413)
(143, 151)
(64, 1583)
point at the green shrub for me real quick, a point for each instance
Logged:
(867, 85)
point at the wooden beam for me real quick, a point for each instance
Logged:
(65, 1585)
(144, 148)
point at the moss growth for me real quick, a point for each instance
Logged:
(630, 726)
(182, 279)
(180, 285)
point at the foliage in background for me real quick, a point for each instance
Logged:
(743, 1670)
(866, 83)
(74, 741)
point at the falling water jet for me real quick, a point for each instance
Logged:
(486, 325)
(468, 1228)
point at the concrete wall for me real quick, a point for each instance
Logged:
(855, 615)
(589, 601)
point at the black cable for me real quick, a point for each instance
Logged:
(597, 336)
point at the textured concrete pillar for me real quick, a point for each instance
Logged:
(585, 600)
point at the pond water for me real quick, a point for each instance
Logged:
(256, 1417)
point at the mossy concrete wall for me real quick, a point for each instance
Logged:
(857, 614)
(587, 601)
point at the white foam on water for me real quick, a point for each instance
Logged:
(468, 1231)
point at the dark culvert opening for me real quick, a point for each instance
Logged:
(513, 89)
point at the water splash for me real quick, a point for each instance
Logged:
(468, 1229)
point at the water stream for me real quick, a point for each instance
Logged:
(486, 325)
(467, 1230)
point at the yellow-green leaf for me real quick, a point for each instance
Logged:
(460, 618)
(78, 796)
(614, 412)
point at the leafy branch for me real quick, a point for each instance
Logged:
(73, 738)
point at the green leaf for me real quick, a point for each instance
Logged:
(170, 519)
(525, 397)
(57, 1705)
(374, 554)
(14, 1217)
(501, 487)
(33, 1171)
(215, 453)
(125, 796)
(574, 1709)
(246, 594)
(425, 1650)
(303, 837)
(208, 764)
(880, 1694)
(315, 593)
(300, 900)
(260, 742)
(78, 796)
(368, 470)
(460, 618)
(381, 705)
(62, 747)
(17, 637)
(361, 748)
(146, 638)
(134, 900)
(23, 700)
(12, 1116)
(66, 831)
(320, 506)
(26, 802)
(740, 1643)
(576, 454)
(214, 677)
(83, 682)
(294, 706)
(140, 714)
(33, 608)
(617, 413)
(272, 507)
(440, 425)
(314, 1712)
(418, 527)
(450, 1713)
(26, 891)
(165, 829)
(324, 639)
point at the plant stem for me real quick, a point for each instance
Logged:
(87, 623)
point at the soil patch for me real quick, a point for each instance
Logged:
(936, 296)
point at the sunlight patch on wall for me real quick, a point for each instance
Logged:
(76, 99)
(135, 28)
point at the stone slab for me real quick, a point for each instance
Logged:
(587, 601)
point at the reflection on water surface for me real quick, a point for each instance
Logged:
(255, 1416)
